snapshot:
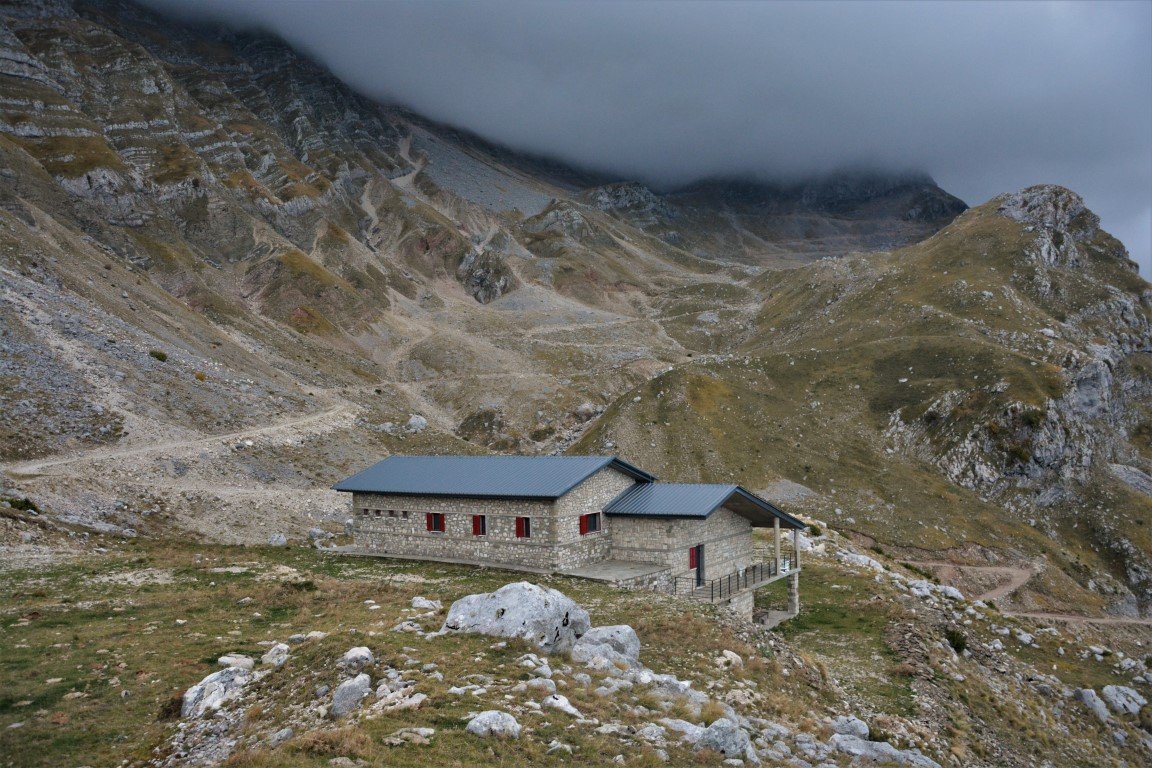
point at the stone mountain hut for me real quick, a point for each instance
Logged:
(595, 517)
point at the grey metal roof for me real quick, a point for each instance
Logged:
(514, 477)
(696, 500)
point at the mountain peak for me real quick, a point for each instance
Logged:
(1063, 224)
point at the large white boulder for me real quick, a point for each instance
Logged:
(214, 691)
(493, 722)
(1123, 700)
(607, 647)
(542, 616)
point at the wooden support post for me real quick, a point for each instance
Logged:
(795, 547)
(776, 533)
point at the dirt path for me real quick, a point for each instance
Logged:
(1017, 578)
(101, 454)
(1074, 619)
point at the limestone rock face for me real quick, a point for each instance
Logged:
(881, 752)
(349, 694)
(606, 647)
(1123, 700)
(214, 691)
(1060, 218)
(542, 616)
(494, 723)
(850, 725)
(1090, 699)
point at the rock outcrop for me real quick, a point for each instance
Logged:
(214, 691)
(494, 723)
(542, 616)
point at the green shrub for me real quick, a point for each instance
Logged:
(24, 505)
(956, 639)
(159, 355)
(1033, 417)
(815, 530)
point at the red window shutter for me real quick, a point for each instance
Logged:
(692, 557)
(583, 525)
(475, 525)
(519, 527)
(430, 519)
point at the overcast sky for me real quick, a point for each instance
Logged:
(987, 98)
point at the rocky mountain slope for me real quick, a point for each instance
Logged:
(205, 233)
(227, 280)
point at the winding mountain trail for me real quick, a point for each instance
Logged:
(1017, 578)
(25, 468)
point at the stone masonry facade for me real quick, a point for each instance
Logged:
(390, 524)
(726, 536)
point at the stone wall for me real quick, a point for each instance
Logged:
(397, 525)
(726, 536)
(592, 495)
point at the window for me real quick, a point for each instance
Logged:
(435, 521)
(404, 514)
(365, 512)
(479, 525)
(589, 523)
(391, 513)
(523, 527)
(378, 512)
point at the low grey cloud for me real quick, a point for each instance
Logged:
(987, 97)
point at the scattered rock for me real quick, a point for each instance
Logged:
(729, 739)
(557, 701)
(850, 725)
(493, 722)
(543, 616)
(1123, 700)
(276, 655)
(236, 660)
(1088, 698)
(213, 691)
(280, 737)
(348, 695)
(864, 751)
(357, 658)
(417, 736)
(689, 732)
(605, 648)
(277, 540)
(424, 604)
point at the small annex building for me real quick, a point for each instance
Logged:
(592, 516)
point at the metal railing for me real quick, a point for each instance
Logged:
(724, 587)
